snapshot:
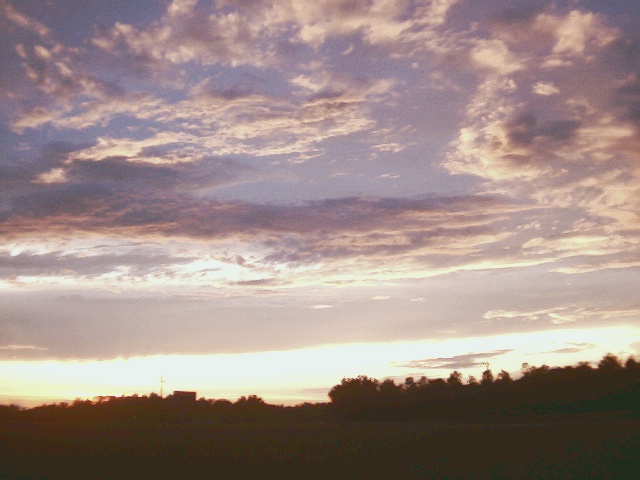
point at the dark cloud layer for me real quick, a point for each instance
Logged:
(98, 207)
(57, 263)
(627, 97)
(525, 129)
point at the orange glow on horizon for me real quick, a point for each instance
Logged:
(294, 376)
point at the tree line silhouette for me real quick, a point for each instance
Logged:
(575, 422)
(610, 388)
(155, 410)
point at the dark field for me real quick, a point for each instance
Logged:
(578, 449)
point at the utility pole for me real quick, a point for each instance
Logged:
(161, 391)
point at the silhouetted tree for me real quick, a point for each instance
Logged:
(504, 376)
(609, 364)
(389, 392)
(455, 378)
(487, 377)
(250, 401)
(354, 394)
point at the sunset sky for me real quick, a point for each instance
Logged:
(256, 197)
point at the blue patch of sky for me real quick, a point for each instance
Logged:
(29, 145)
(346, 170)
(226, 80)
(620, 11)
(75, 22)
(8, 141)
(125, 126)
(374, 63)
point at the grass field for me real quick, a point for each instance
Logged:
(572, 449)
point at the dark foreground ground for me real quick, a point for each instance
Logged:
(579, 449)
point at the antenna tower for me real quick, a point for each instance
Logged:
(161, 391)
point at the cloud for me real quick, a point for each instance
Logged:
(545, 89)
(563, 314)
(575, 348)
(577, 33)
(524, 130)
(468, 360)
(68, 93)
(422, 236)
(235, 121)
(22, 21)
(187, 34)
(519, 15)
(239, 34)
(63, 264)
(627, 97)
(570, 145)
(414, 237)
(122, 174)
(622, 261)
(494, 55)
(259, 282)
(22, 347)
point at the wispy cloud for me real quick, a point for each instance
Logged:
(321, 306)
(22, 347)
(467, 360)
(564, 314)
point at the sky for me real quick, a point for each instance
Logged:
(256, 197)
